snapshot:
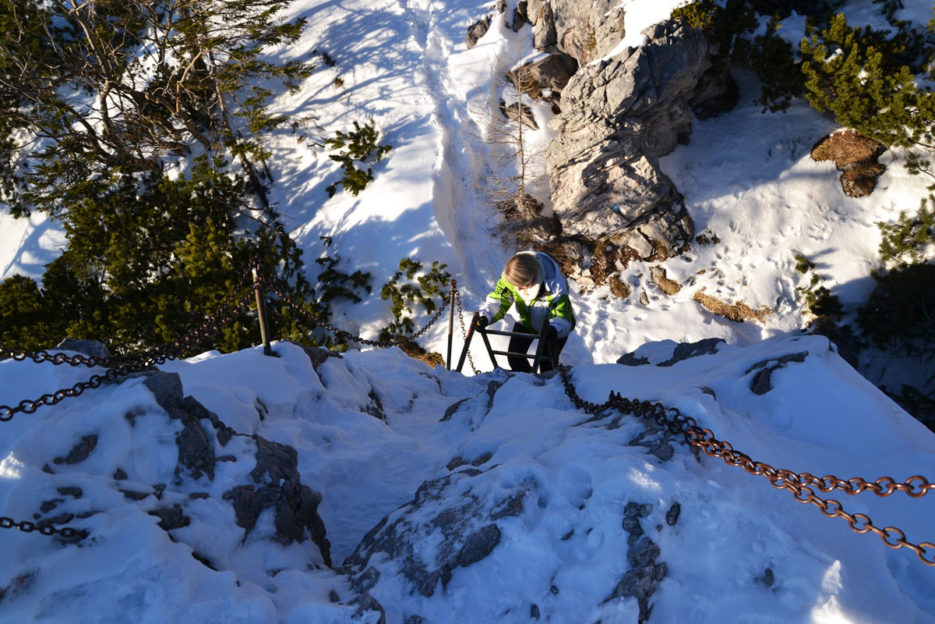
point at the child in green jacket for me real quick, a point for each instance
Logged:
(535, 293)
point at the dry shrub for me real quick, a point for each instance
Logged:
(413, 350)
(861, 179)
(737, 312)
(666, 285)
(847, 148)
(618, 287)
(855, 155)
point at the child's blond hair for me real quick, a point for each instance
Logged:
(522, 270)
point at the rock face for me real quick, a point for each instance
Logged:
(618, 117)
(544, 78)
(467, 529)
(584, 30)
(276, 481)
(617, 114)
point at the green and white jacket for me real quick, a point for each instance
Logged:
(551, 303)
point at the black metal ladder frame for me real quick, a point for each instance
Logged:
(537, 358)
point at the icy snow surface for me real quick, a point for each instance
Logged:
(740, 549)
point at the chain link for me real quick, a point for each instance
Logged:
(209, 328)
(463, 330)
(127, 366)
(54, 358)
(44, 528)
(122, 367)
(800, 484)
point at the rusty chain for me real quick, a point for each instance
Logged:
(461, 321)
(800, 484)
(206, 331)
(45, 529)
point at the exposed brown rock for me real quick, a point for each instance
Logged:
(618, 287)
(737, 312)
(856, 156)
(668, 286)
(618, 117)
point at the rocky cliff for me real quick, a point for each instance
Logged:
(619, 111)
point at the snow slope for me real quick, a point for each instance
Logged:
(565, 549)
(746, 177)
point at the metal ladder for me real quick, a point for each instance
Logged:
(538, 358)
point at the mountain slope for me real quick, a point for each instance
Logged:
(498, 493)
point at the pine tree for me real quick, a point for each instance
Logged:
(854, 74)
(25, 319)
(108, 94)
(911, 240)
(158, 79)
(413, 286)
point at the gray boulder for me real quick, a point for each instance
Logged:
(477, 30)
(545, 77)
(276, 483)
(92, 348)
(428, 539)
(618, 117)
(584, 30)
(618, 111)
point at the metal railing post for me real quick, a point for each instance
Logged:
(261, 313)
(451, 321)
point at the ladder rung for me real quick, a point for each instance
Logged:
(497, 332)
(525, 355)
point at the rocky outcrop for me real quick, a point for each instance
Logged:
(477, 30)
(276, 483)
(465, 527)
(617, 114)
(669, 353)
(584, 30)
(91, 348)
(544, 77)
(618, 117)
(645, 574)
(762, 380)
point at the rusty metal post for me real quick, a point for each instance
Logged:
(451, 321)
(467, 343)
(261, 313)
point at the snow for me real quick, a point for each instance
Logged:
(746, 177)
(579, 475)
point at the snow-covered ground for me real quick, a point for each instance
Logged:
(746, 177)
(734, 548)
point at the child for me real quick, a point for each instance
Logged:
(533, 289)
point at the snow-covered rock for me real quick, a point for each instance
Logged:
(473, 499)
